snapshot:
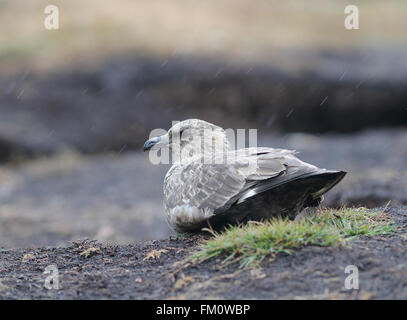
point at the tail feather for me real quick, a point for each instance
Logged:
(329, 177)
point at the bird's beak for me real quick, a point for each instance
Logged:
(155, 143)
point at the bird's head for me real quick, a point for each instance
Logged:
(191, 138)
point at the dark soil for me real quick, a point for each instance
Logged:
(125, 272)
(118, 197)
(73, 131)
(116, 106)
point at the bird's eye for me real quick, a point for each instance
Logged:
(181, 132)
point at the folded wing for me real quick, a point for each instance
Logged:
(196, 191)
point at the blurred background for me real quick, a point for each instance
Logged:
(77, 103)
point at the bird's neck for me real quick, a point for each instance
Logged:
(206, 147)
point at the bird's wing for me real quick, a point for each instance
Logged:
(263, 163)
(268, 168)
(193, 192)
(201, 185)
(210, 183)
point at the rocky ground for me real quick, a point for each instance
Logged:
(153, 270)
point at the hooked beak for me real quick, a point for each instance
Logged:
(155, 142)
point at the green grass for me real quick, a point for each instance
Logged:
(252, 243)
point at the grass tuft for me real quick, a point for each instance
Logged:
(252, 243)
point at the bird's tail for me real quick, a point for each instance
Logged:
(316, 182)
(326, 179)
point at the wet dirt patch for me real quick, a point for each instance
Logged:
(123, 272)
(116, 106)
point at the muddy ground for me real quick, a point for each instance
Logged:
(133, 272)
(71, 168)
(118, 197)
(70, 160)
(112, 108)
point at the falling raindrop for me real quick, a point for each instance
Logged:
(20, 94)
(323, 101)
(270, 121)
(289, 113)
(123, 148)
(24, 75)
(220, 70)
(211, 91)
(139, 93)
